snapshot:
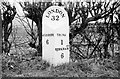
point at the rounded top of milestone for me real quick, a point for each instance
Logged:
(54, 17)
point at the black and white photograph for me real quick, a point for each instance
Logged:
(60, 38)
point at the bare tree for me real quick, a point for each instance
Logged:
(97, 10)
(35, 12)
(8, 15)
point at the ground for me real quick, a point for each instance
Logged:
(86, 68)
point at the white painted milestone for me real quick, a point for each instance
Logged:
(55, 36)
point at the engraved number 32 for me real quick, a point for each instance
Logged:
(53, 18)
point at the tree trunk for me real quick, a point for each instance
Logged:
(106, 53)
(6, 33)
(0, 33)
(0, 44)
(39, 47)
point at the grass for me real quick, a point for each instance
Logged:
(86, 68)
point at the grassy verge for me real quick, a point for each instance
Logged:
(36, 67)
